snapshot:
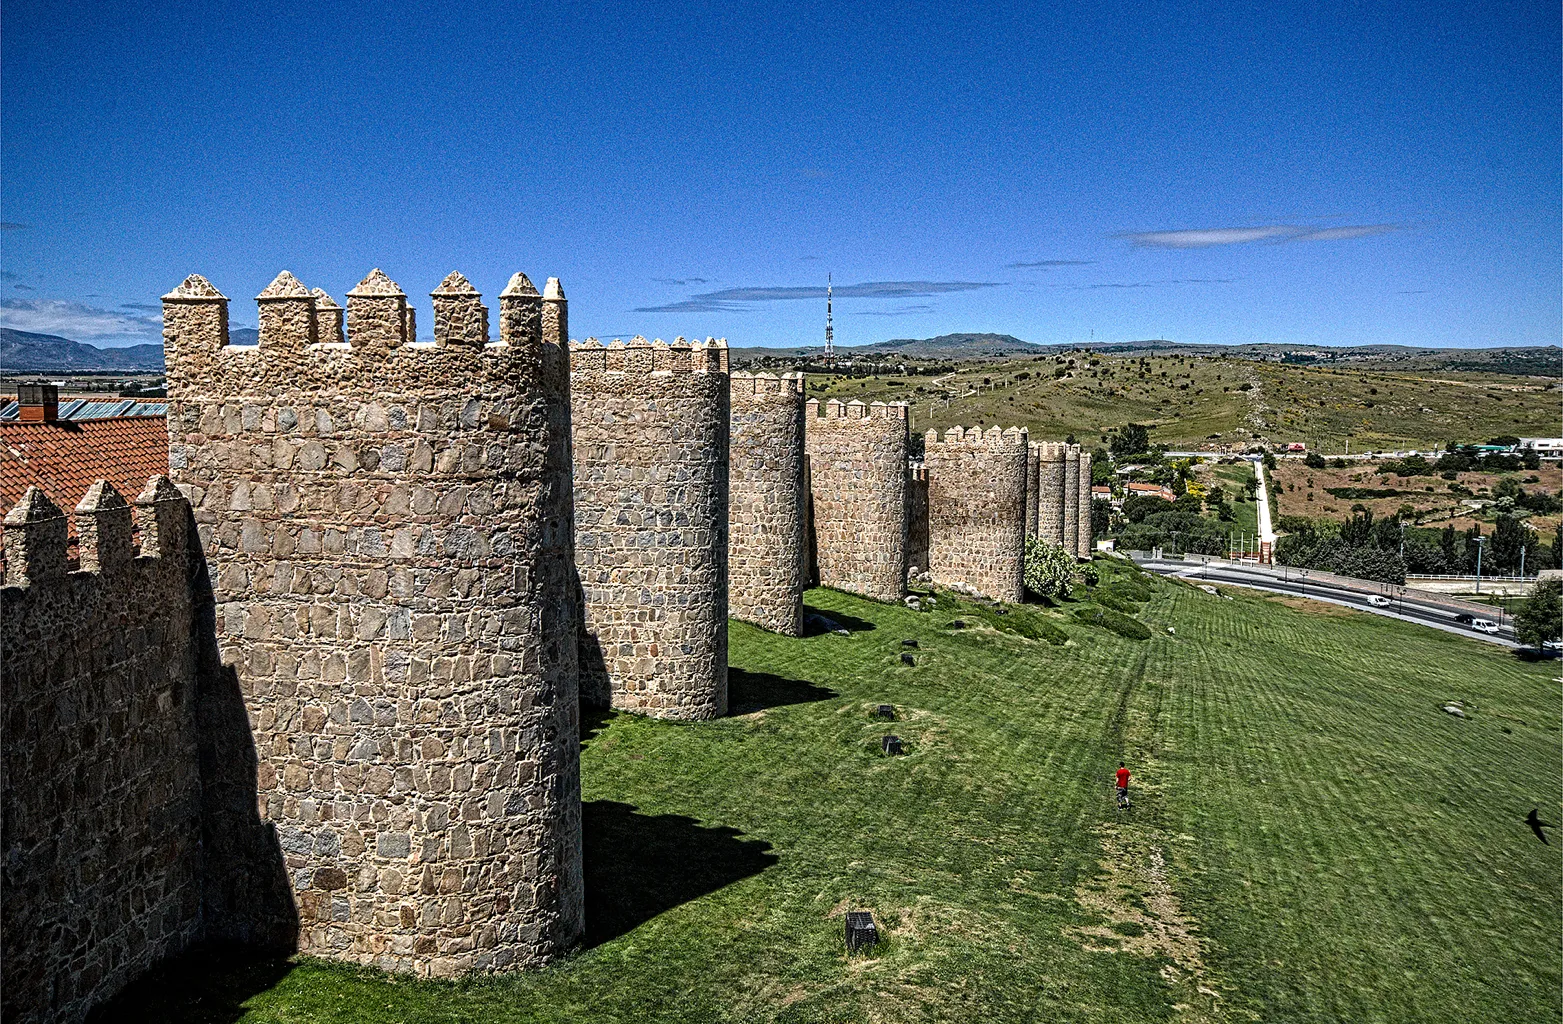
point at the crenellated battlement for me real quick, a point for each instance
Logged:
(640, 356)
(307, 341)
(756, 385)
(976, 437)
(835, 409)
(36, 532)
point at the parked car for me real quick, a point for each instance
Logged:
(1464, 619)
(1378, 600)
(1484, 625)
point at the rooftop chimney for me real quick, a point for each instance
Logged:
(40, 403)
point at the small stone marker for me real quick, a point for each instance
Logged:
(1457, 712)
(886, 712)
(861, 932)
(842, 632)
(957, 624)
(908, 643)
(891, 745)
(907, 659)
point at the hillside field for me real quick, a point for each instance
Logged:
(1195, 401)
(1312, 838)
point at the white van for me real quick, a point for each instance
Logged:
(1378, 600)
(1484, 625)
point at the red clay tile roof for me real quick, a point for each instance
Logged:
(66, 458)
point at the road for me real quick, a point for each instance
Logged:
(1419, 609)
(1262, 500)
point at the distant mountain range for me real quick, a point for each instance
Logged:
(1543, 361)
(25, 352)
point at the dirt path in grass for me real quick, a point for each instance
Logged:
(1142, 916)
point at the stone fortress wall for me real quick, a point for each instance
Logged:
(651, 426)
(1050, 492)
(767, 503)
(1033, 487)
(857, 488)
(389, 524)
(1083, 534)
(102, 802)
(977, 510)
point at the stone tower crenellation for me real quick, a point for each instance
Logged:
(388, 523)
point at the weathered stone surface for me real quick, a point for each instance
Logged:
(768, 503)
(651, 426)
(101, 801)
(857, 490)
(390, 710)
(977, 510)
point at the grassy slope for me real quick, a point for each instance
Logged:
(1285, 403)
(1324, 841)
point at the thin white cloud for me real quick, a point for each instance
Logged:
(913, 310)
(1337, 234)
(75, 320)
(1201, 238)
(1050, 264)
(733, 300)
(11, 225)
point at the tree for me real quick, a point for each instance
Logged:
(1509, 538)
(1313, 460)
(1049, 569)
(1133, 439)
(1540, 618)
(1101, 517)
(1557, 547)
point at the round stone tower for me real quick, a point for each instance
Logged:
(857, 495)
(768, 502)
(650, 423)
(387, 523)
(1050, 493)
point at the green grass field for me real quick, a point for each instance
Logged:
(1312, 838)
(1196, 400)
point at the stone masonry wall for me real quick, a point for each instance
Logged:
(977, 510)
(101, 798)
(651, 428)
(1069, 536)
(390, 715)
(917, 519)
(857, 482)
(1083, 516)
(1050, 499)
(1033, 485)
(767, 502)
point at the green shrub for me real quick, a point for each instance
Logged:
(1049, 569)
(1106, 618)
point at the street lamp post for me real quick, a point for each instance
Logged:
(1305, 582)
(1402, 542)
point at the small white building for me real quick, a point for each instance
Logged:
(1543, 446)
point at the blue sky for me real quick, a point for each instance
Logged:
(1318, 174)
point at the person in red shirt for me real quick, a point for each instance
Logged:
(1123, 785)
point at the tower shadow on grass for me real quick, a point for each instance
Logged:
(640, 865)
(748, 692)
(207, 985)
(817, 622)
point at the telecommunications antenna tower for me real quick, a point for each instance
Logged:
(830, 334)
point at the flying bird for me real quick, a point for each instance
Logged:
(1536, 824)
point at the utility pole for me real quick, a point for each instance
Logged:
(1481, 542)
(1402, 541)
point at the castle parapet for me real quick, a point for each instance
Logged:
(97, 751)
